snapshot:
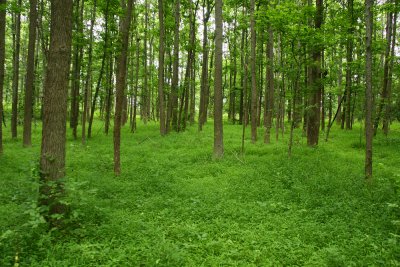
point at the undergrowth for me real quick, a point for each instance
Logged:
(174, 205)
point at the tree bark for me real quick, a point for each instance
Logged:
(161, 54)
(368, 89)
(88, 82)
(269, 88)
(253, 74)
(52, 159)
(30, 75)
(121, 83)
(313, 120)
(218, 124)
(15, 84)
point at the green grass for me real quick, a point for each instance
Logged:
(174, 205)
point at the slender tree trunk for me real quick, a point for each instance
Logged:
(121, 83)
(161, 67)
(218, 124)
(103, 62)
(30, 75)
(16, 61)
(78, 55)
(269, 87)
(384, 94)
(52, 159)
(135, 92)
(313, 120)
(253, 74)
(368, 89)
(204, 68)
(349, 59)
(2, 62)
(88, 82)
(109, 97)
(386, 116)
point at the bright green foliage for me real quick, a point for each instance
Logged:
(174, 205)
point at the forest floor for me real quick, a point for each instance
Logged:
(174, 205)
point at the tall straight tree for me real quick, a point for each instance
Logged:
(15, 87)
(30, 75)
(121, 82)
(88, 81)
(172, 116)
(253, 74)
(313, 120)
(2, 61)
(52, 157)
(368, 89)
(269, 87)
(218, 124)
(204, 67)
(161, 54)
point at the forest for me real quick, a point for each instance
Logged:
(199, 133)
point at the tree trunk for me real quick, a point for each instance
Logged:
(2, 61)
(313, 120)
(204, 69)
(103, 62)
(172, 121)
(349, 62)
(368, 89)
(218, 124)
(269, 87)
(253, 74)
(161, 67)
(30, 75)
(88, 82)
(121, 83)
(52, 159)
(15, 84)
(78, 55)
(386, 116)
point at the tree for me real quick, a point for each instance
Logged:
(88, 81)
(269, 87)
(121, 83)
(16, 61)
(218, 124)
(2, 61)
(313, 120)
(52, 157)
(30, 75)
(161, 54)
(368, 89)
(253, 74)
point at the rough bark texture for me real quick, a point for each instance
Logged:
(218, 124)
(2, 61)
(368, 89)
(52, 157)
(30, 75)
(120, 84)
